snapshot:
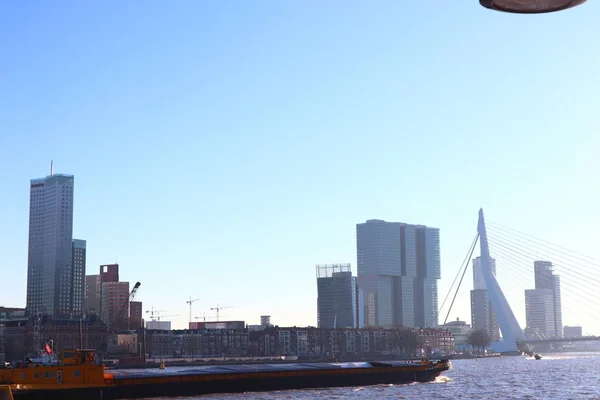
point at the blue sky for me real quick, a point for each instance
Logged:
(222, 149)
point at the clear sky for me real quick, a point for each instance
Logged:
(222, 149)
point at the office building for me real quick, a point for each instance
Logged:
(51, 285)
(572, 332)
(539, 312)
(337, 296)
(482, 313)
(398, 269)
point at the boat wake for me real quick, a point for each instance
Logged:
(442, 379)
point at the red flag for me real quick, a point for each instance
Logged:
(47, 348)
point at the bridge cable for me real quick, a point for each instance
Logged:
(553, 250)
(579, 256)
(566, 290)
(513, 246)
(569, 272)
(462, 277)
(466, 260)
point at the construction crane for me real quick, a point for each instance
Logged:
(190, 302)
(204, 317)
(218, 309)
(155, 315)
(124, 310)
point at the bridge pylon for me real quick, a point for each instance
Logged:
(512, 334)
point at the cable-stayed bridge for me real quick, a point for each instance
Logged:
(548, 285)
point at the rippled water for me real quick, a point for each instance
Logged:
(555, 376)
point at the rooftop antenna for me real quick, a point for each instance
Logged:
(51, 167)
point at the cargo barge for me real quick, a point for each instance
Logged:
(77, 376)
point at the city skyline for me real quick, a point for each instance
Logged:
(211, 143)
(418, 253)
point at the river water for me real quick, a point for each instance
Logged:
(556, 376)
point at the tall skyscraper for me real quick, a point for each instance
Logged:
(50, 274)
(398, 269)
(428, 273)
(543, 304)
(337, 297)
(482, 313)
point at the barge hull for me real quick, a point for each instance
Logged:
(122, 390)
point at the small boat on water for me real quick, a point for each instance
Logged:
(537, 356)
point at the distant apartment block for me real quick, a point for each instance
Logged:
(93, 294)
(135, 315)
(398, 270)
(337, 296)
(115, 304)
(482, 314)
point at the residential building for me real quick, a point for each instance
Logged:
(24, 336)
(50, 274)
(546, 279)
(398, 269)
(106, 296)
(78, 277)
(115, 304)
(460, 330)
(337, 296)
(478, 281)
(158, 325)
(483, 316)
